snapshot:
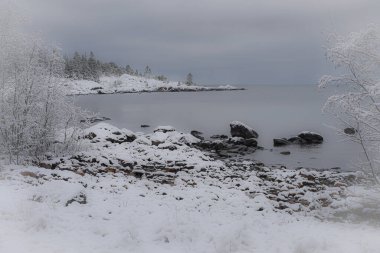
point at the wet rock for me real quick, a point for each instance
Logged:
(311, 138)
(297, 140)
(239, 129)
(219, 136)
(280, 142)
(197, 134)
(285, 153)
(250, 142)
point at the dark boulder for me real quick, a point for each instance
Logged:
(280, 142)
(250, 142)
(219, 136)
(239, 129)
(297, 140)
(311, 138)
(197, 134)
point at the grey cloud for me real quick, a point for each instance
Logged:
(220, 41)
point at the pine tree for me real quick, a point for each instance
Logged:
(147, 72)
(129, 70)
(189, 79)
(93, 68)
(76, 66)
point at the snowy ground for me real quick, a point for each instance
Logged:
(100, 207)
(132, 84)
(129, 215)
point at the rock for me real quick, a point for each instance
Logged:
(94, 119)
(90, 136)
(121, 136)
(197, 134)
(81, 199)
(280, 142)
(158, 138)
(164, 129)
(349, 131)
(144, 126)
(97, 88)
(239, 129)
(219, 136)
(126, 138)
(250, 142)
(297, 140)
(28, 174)
(285, 153)
(311, 138)
(45, 165)
(170, 147)
(236, 140)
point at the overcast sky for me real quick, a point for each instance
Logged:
(219, 41)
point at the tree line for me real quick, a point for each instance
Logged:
(88, 67)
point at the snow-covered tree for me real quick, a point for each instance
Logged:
(358, 105)
(36, 116)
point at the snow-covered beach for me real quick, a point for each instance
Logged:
(135, 84)
(135, 192)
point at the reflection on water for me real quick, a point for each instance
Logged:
(274, 111)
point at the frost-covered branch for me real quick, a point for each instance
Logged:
(357, 106)
(34, 107)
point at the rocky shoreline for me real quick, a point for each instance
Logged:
(135, 84)
(169, 157)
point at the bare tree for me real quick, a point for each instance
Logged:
(358, 105)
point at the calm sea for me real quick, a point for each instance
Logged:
(274, 111)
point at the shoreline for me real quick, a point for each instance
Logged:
(172, 158)
(157, 91)
(135, 84)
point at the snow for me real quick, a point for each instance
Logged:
(308, 133)
(133, 84)
(210, 208)
(129, 215)
(164, 129)
(238, 123)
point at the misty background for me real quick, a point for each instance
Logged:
(219, 41)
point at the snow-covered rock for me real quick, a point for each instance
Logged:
(138, 197)
(239, 129)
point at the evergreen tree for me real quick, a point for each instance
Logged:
(189, 79)
(147, 71)
(93, 68)
(129, 70)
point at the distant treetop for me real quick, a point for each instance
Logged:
(88, 67)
